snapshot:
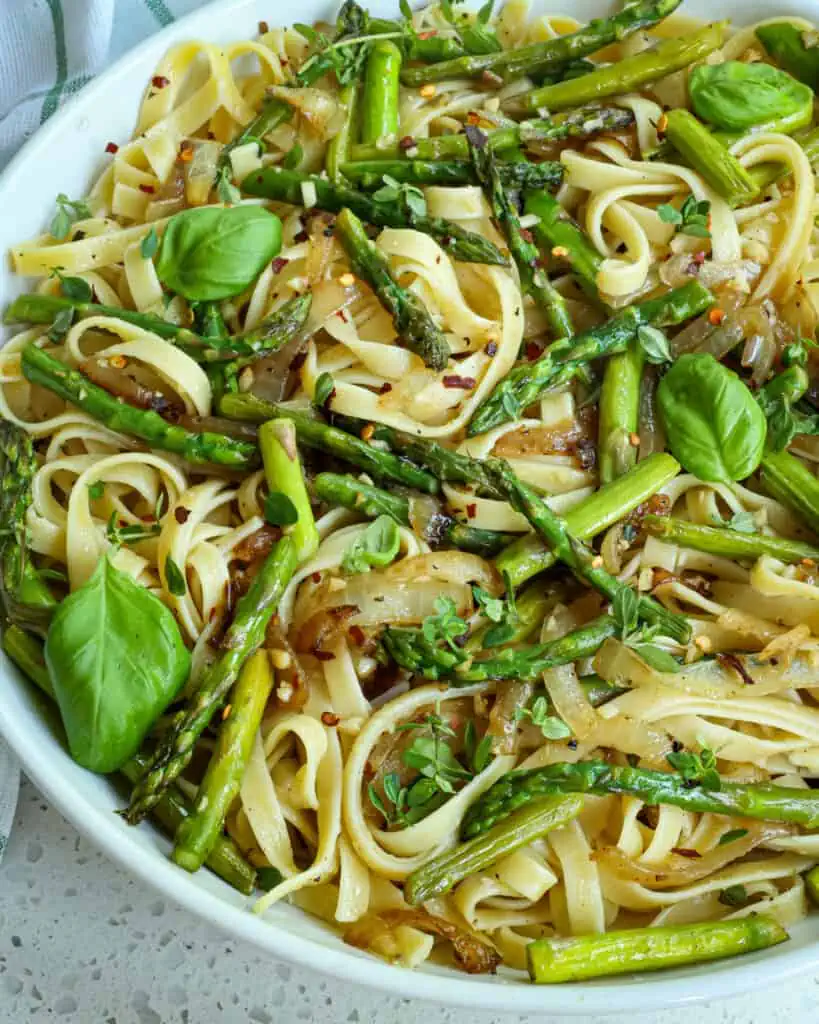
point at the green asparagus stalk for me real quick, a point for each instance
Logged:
(705, 154)
(786, 44)
(410, 649)
(379, 107)
(618, 413)
(727, 543)
(570, 124)
(551, 961)
(444, 872)
(534, 280)
(338, 148)
(763, 801)
(788, 479)
(26, 598)
(532, 606)
(627, 75)
(528, 555)
(243, 637)
(574, 553)
(525, 384)
(286, 187)
(550, 55)
(225, 859)
(374, 501)
(41, 368)
(283, 472)
(812, 885)
(473, 38)
(556, 233)
(416, 328)
(315, 433)
(209, 323)
(197, 834)
(524, 175)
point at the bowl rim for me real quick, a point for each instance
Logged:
(443, 986)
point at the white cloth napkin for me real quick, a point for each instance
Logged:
(49, 49)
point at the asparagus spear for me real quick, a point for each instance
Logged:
(786, 43)
(41, 368)
(282, 468)
(552, 961)
(812, 884)
(410, 649)
(550, 55)
(379, 108)
(626, 75)
(225, 859)
(374, 501)
(618, 413)
(474, 38)
(286, 187)
(223, 374)
(338, 148)
(788, 479)
(525, 384)
(725, 542)
(763, 800)
(26, 599)
(705, 154)
(315, 433)
(198, 834)
(528, 555)
(244, 635)
(524, 175)
(557, 233)
(534, 280)
(416, 328)
(532, 606)
(444, 872)
(574, 553)
(570, 124)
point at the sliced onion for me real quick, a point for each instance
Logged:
(511, 695)
(123, 386)
(318, 109)
(570, 701)
(454, 567)
(696, 337)
(219, 425)
(652, 436)
(201, 171)
(319, 249)
(631, 736)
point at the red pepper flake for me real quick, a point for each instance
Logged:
(357, 635)
(453, 380)
(149, 189)
(472, 509)
(264, 28)
(473, 118)
(328, 718)
(532, 351)
(408, 142)
(112, 147)
(302, 236)
(683, 852)
(699, 257)
(181, 514)
(526, 234)
(342, 315)
(491, 348)
(490, 78)
(278, 265)
(315, 577)
(367, 432)
(185, 154)
(160, 81)
(428, 35)
(385, 388)
(324, 655)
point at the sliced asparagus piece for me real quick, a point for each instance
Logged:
(763, 801)
(244, 635)
(379, 105)
(286, 187)
(705, 154)
(444, 872)
(72, 386)
(556, 233)
(788, 479)
(618, 413)
(524, 175)
(338, 148)
(525, 384)
(727, 543)
(550, 55)
(416, 328)
(283, 472)
(552, 961)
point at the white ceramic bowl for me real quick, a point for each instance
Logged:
(65, 156)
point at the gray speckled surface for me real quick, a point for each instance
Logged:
(83, 943)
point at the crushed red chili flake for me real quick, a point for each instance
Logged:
(532, 351)
(731, 661)
(315, 577)
(278, 265)
(342, 315)
(472, 509)
(527, 235)
(491, 348)
(490, 78)
(324, 655)
(699, 257)
(473, 118)
(112, 147)
(185, 152)
(428, 34)
(263, 28)
(406, 143)
(453, 380)
(357, 635)
(328, 718)
(160, 81)
(385, 388)
(149, 189)
(302, 236)
(367, 432)
(181, 514)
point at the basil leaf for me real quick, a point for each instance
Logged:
(714, 426)
(656, 657)
(376, 546)
(654, 344)
(149, 245)
(324, 390)
(96, 490)
(75, 288)
(793, 49)
(736, 96)
(175, 578)
(279, 510)
(207, 254)
(116, 660)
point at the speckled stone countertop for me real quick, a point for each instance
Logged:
(81, 942)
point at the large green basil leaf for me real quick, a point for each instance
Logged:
(793, 49)
(713, 424)
(209, 254)
(116, 660)
(736, 96)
